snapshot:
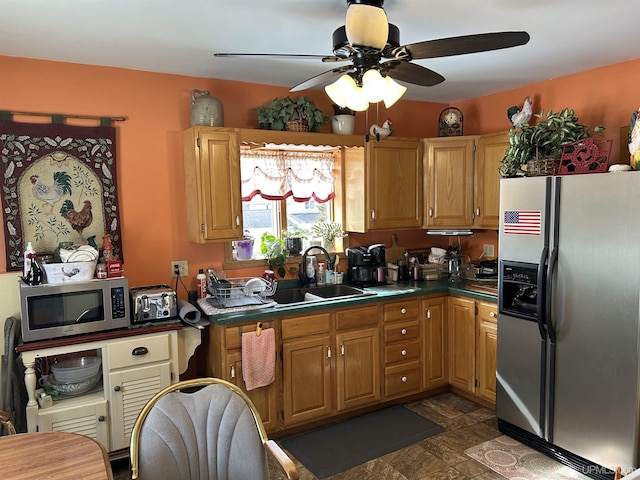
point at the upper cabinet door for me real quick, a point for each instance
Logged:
(449, 182)
(394, 184)
(489, 154)
(212, 184)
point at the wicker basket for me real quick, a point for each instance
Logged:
(542, 166)
(296, 126)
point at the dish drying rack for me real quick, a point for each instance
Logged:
(241, 291)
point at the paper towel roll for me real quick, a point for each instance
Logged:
(190, 314)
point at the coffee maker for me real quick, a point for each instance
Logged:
(366, 265)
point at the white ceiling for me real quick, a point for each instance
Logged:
(180, 36)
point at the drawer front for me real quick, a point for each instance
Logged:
(138, 351)
(399, 331)
(402, 352)
(233, 335)
(305, 325)
(357, 317)
(487, 311)
(402, 379)
(395, 311)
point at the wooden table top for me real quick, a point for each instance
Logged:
(54, 456)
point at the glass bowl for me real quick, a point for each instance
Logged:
(75, 370)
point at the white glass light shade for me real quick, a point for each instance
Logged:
(345, 93)
(394, 92)
(338, 90)
(367, 25)
(374, 86)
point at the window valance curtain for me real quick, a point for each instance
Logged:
(277, 175)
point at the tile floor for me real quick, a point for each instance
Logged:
(437, 458)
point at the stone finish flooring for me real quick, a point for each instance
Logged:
(437, 458)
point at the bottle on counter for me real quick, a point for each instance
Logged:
(27, 258)
(321, 277)
(201, 280)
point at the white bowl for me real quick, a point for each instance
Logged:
(254, 286)
(76, 369)
(72, 388)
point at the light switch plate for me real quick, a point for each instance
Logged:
(488, 250)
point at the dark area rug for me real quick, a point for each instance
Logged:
(341, 446)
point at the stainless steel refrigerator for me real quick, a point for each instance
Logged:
(569, 318)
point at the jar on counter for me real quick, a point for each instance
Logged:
(101, 270)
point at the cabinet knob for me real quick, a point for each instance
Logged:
(431, 212)
(404, 379)
(403, 311)
(237, 220)
(428, 314)
(403, 353)
(139, 351)
(492, 314)
(101, 418)
(477, 212)
(373, 214)
(403, 331)
(116, 388)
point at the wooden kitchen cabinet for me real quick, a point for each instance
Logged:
(383, 187)
(434, 342)
(448, 182)
(307, 352)
(486, 348)
(402, 358)
(461, 333)
(134, 368)
(212, 184)
(489, 154)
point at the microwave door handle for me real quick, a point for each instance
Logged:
(82, 315)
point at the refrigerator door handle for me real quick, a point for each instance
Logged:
(540, 300)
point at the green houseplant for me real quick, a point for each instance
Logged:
(282, 110)
(274, 252)
(328, 232)
(543, 140)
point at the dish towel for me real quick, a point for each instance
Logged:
(259, 358)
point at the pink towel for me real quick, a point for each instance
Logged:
(259, 358)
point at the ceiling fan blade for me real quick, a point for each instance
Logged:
(285, 56)
(324, 78)
(412, 73)
(445, 47)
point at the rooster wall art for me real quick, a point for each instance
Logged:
(51, 194)
(79, 220)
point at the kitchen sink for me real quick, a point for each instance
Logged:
(299, 296)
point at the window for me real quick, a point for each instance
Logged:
(285, 190)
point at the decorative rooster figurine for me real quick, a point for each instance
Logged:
(383, 131)
(517, 116)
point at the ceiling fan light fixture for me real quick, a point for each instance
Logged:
(345, 93)
(374, 87)
(394, 92)
(367, 25)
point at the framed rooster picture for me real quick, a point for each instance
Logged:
(58, 185)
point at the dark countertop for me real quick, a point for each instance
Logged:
(382, 293)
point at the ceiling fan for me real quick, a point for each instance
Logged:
(372, 45)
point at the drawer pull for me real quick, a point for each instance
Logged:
(116, 388)
(403, 331)
(428, 314)
(492, 314)
(403, 353)
(101, 418)
(328, 352)
(138, 351)
(404, 379)
(403, 310)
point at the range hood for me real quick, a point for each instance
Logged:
(450, 233)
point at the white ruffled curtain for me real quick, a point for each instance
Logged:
(276, 175)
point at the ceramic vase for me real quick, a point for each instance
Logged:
(342, 124)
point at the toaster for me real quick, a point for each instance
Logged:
(153, 303)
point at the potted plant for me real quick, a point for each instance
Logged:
(293, 240)
(274, 252)
(543, 142)
(299, 114)
(328, 232)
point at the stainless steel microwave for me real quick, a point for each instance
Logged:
(59, 310)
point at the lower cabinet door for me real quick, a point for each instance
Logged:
(130, 390)
(264, 398)
(88, 419)
(307, 379)
(358, 368)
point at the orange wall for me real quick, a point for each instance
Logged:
(150, 172)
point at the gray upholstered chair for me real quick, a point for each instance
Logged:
(213, 433)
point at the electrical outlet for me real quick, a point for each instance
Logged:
(488, 250)
(182, 266)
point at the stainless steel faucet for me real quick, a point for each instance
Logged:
(302, 270)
